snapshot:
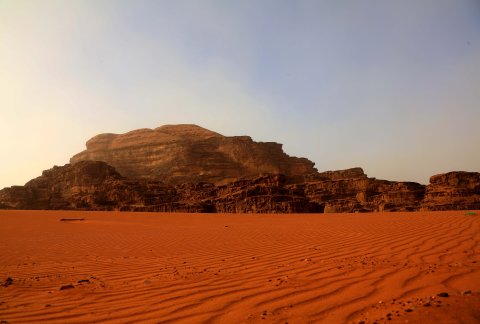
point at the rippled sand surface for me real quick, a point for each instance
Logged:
(218, 268)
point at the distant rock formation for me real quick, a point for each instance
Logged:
(95, 185)
(178, 154)
(353, 173)
(453, 190)
(186, 168)
(363, 194)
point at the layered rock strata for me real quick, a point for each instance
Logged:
(452, 191)
(95, 185)
(186, 168)
(178, 154)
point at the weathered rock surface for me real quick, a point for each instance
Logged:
(452, 191)
(186, 168)
(92, 185)
(362, 194)
(95, 185)
(353, 173)
(266, 194)
(178, 154)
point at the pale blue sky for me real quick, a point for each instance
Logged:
(391, 86)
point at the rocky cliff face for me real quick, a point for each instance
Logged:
(363, 194)
(95, 185)
(61, 187)
(453, 190)
(178, 154)
(186, 168)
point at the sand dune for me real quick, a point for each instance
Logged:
(217, 268)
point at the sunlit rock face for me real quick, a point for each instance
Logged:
(186, 168)
(189, 153)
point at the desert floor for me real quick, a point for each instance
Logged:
(192, 268)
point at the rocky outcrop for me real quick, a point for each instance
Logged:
(397, 196)
(266, 194)
(177, 154)
(353, 173)
(58, 187)
(456, 190)
(363, 194)
(186, 168)
(95, 185)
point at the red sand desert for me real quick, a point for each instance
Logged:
(219, 268)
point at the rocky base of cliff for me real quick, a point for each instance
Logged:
(95, 185)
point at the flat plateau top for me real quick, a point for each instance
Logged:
(150, 267)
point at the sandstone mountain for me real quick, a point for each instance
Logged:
(178, 154)
(186, 168)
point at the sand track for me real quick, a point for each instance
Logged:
(214, 268)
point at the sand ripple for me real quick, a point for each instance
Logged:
(164, 268)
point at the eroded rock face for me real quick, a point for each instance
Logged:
(95, 185)
(266, 194)
(59, 187)
(178, 154)
(185, 168)
(353, 173)
(453, 190)
(363, 194)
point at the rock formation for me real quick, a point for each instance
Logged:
(95, 185)
(186, 168)
(178, 154)
(453, 190)
(92, 185)
(352, 191)
(266, 194)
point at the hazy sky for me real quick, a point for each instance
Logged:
(391, 86)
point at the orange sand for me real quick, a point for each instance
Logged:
(217, 268)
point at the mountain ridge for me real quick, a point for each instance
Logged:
(187, 168)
